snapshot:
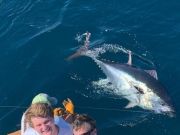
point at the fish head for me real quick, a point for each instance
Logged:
(164, 108)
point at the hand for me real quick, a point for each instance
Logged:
(68, 105)
(58, 111)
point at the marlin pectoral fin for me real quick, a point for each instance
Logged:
(130, 105)
(153, 73)
(139, 90)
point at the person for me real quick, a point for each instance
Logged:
(42, 121)
(51, 101)
(84, 125)
(66, 113)
(18, 132)
(44, 98)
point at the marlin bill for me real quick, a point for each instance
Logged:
(140, 87)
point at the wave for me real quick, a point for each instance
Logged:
(25, 20)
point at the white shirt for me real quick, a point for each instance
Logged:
(65, 128)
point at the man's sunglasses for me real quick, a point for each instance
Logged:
(88, 132)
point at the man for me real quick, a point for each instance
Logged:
(45, 98)
(42, 121)
(84, 125)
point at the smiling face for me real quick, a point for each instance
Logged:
(40, 117)
(44, 126)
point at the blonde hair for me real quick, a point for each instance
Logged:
(38, 110)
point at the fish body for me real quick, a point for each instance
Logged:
(138, 87)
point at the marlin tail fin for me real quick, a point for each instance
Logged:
(82, 49)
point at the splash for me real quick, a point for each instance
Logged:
(89, 49)
(115, 48)
(122, 117)
(104, 86)
(96, 52)
(75, 77)
(83, 39)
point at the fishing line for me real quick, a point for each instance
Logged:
(112, 109)
(143, 59)
(118, 98)
(124, 50)
(13, 106)
(81, 107)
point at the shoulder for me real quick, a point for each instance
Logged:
(60, 122)
(30, 131)
(65, 128)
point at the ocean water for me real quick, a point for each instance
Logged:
(37, 36)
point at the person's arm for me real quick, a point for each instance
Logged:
(67, 113)
(15, 133)
(69, 118)
(24, 123)
(30, 131)
(69, 106)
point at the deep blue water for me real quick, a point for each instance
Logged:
(36, 37)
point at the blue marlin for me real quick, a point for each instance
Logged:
(140, 87)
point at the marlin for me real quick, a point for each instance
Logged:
(140, 87)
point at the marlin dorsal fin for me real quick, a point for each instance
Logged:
(153, 73)
(130, 105)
